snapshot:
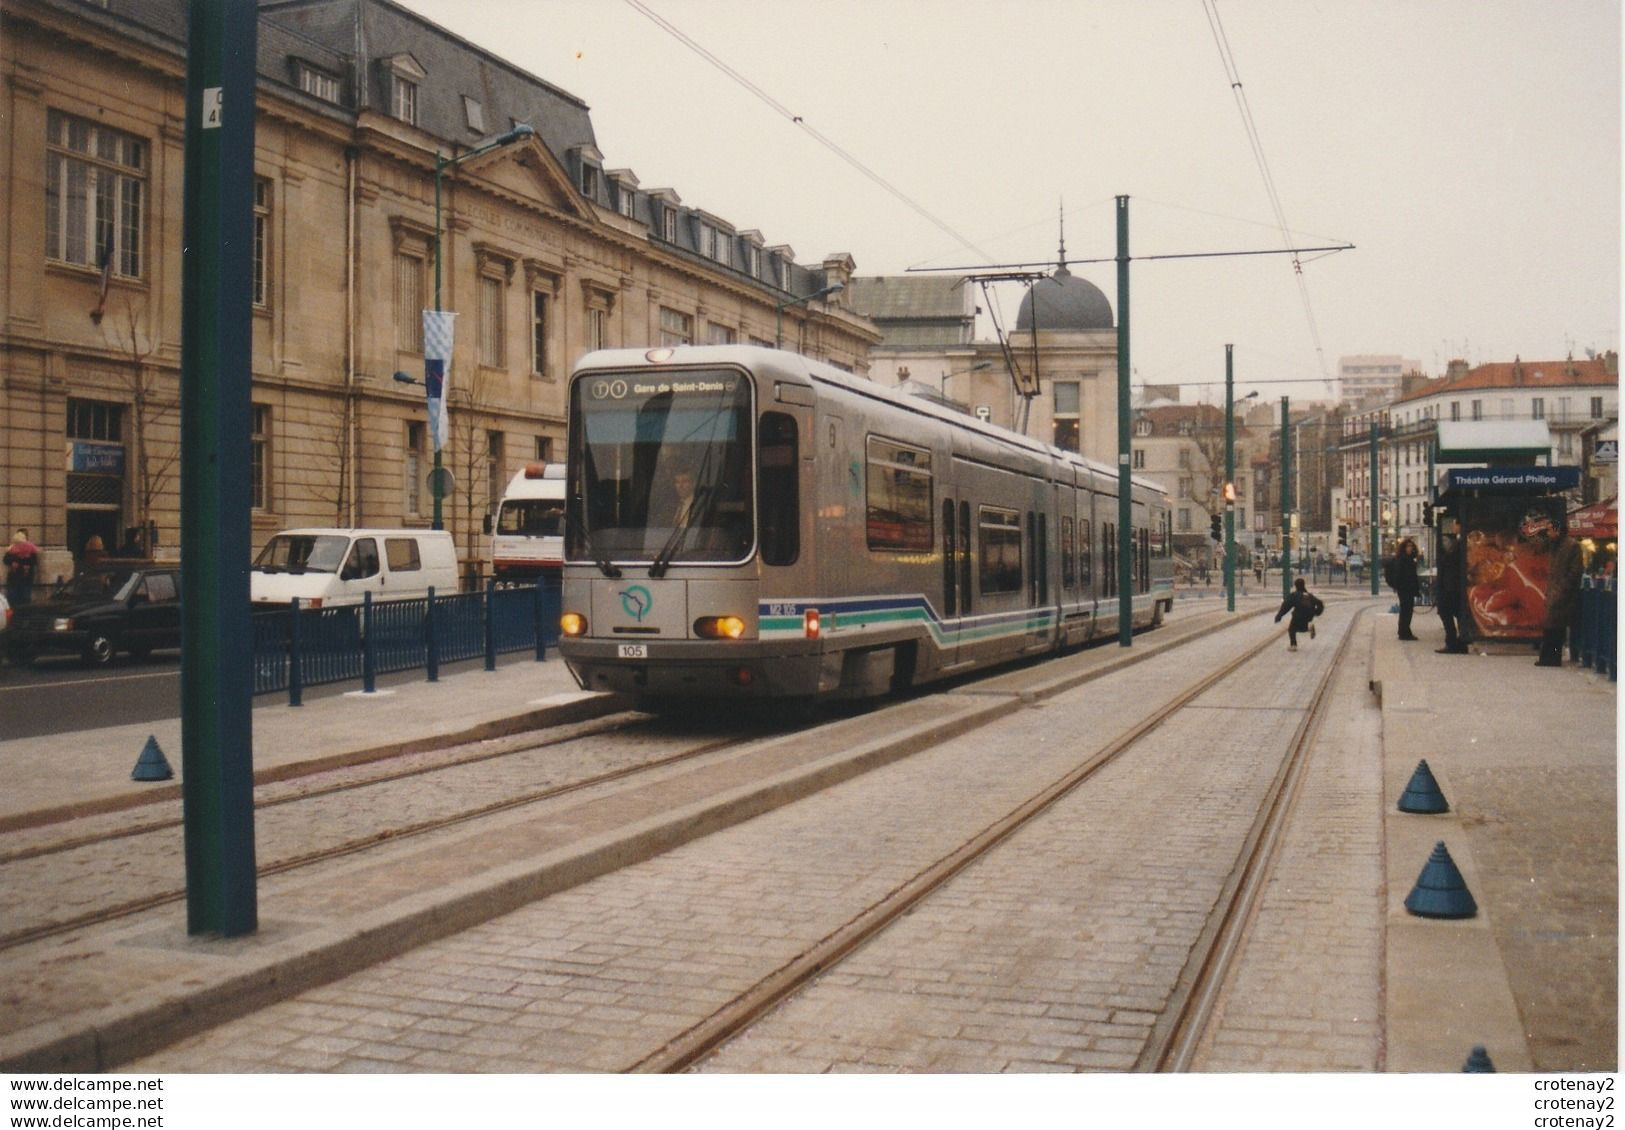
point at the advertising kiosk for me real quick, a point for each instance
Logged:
(1510, 520)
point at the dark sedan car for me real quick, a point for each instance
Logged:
(132, 606)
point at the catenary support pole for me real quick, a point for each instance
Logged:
(1286, 498)
(216, 365)
(1229, 478)
(1125, 474)
(1374, 495)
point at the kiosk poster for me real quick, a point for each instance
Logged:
(1509, 553)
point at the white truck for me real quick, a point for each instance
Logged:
(527, 535)
(326, 566)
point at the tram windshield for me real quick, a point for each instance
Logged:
(660, 467)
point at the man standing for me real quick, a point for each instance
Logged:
(1562, 596)
(1447, 594)
(1403, 580)
(22, 562)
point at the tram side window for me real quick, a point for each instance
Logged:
(778, 500)
(1108, 547)
(950, 567)
(1145, 560)
(1085, 570)
(899, 497)
(999, 532)
(964, 557)
(1069, 573)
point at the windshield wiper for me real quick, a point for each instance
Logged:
(599, 558)
(701, 507)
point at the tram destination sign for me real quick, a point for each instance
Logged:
(1513, 479)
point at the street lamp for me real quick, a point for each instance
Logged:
(778, 310)
(1230, 476)
(441, 164)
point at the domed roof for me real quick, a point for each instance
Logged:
(1065, 302)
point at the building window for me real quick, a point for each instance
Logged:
(1596, 407)
(676, 327)
(493, 326)
(544, 449)
(320, 84)
(262, 241)
(1184, 519)
(414, 467)
(495, 469)
(1455, 410)
(589, 181)
(95, 193)
(1185, 487)
(720, 335)
(404, 100)
(1142, 427)
(708, 241)
(668, 224)
(1184, 459)
(409, 303)
(1065, 394)
(1537, 408)
(597, 328)
(753, 261)
(538, 334)
(1565, 443)
(96, 420)
(1478, 409)
(625, 200)
(724, 249)
(259, 456)
(1139, 458)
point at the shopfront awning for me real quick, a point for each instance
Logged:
(1599, 520)
(1492, 441)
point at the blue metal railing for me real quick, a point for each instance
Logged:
(298, 647)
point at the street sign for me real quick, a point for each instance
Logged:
(1607, 451)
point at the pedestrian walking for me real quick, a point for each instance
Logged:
(1448, 592)
(1400, 573)
(1562, 595)
(22, 563)
(1303, 606)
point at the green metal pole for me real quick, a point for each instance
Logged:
(436, 485)
(1229, 478)
(1375, 546)
(1286, 499)
(1125, 500)
(217, 749)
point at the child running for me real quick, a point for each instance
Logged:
(1304, 607)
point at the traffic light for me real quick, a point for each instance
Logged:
(1217, 531)
(1427, 513)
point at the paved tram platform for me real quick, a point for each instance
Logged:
(1524, 755)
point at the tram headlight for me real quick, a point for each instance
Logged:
(719, 627)
(573, 624)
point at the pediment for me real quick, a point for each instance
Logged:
(529, 171)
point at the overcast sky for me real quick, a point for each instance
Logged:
(1469, 150)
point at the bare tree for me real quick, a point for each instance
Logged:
(154, 402)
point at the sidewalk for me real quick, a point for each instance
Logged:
(88, 771)
(1526, 758)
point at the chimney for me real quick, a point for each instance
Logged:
(1610, 363)
(1456, 368)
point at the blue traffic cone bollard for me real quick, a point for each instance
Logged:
(151, 765)
(1478, 1062)
(1440, 891)
(1423, 794)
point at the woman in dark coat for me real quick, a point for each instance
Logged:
(1304, 606)
(1406, 585)
(1447, 594)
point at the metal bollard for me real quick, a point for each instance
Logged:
(296, 673)
(431, 650)
(536, 620)
(369, 675)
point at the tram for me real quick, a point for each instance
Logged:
(744, 522)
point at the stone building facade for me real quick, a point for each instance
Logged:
(544, 252)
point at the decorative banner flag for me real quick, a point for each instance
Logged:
(107, 277)
(437, 336)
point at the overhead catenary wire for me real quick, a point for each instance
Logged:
(800, 123)
(1233, 74)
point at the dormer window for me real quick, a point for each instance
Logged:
(626, 194)
(668, 224)
(474, 115)
(404, 74)
(626, 200)
(753, 261)
(317, 83)
(589, 182)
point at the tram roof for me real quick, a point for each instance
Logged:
(783, 363)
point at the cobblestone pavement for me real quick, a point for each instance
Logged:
(1305, 991)
(59, 886)
(1056, 951)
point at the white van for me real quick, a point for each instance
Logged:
(528, 537)
(327, 566)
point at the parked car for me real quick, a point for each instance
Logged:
(327, 567)
(114, 606)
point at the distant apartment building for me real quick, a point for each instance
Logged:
(1372, 378)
